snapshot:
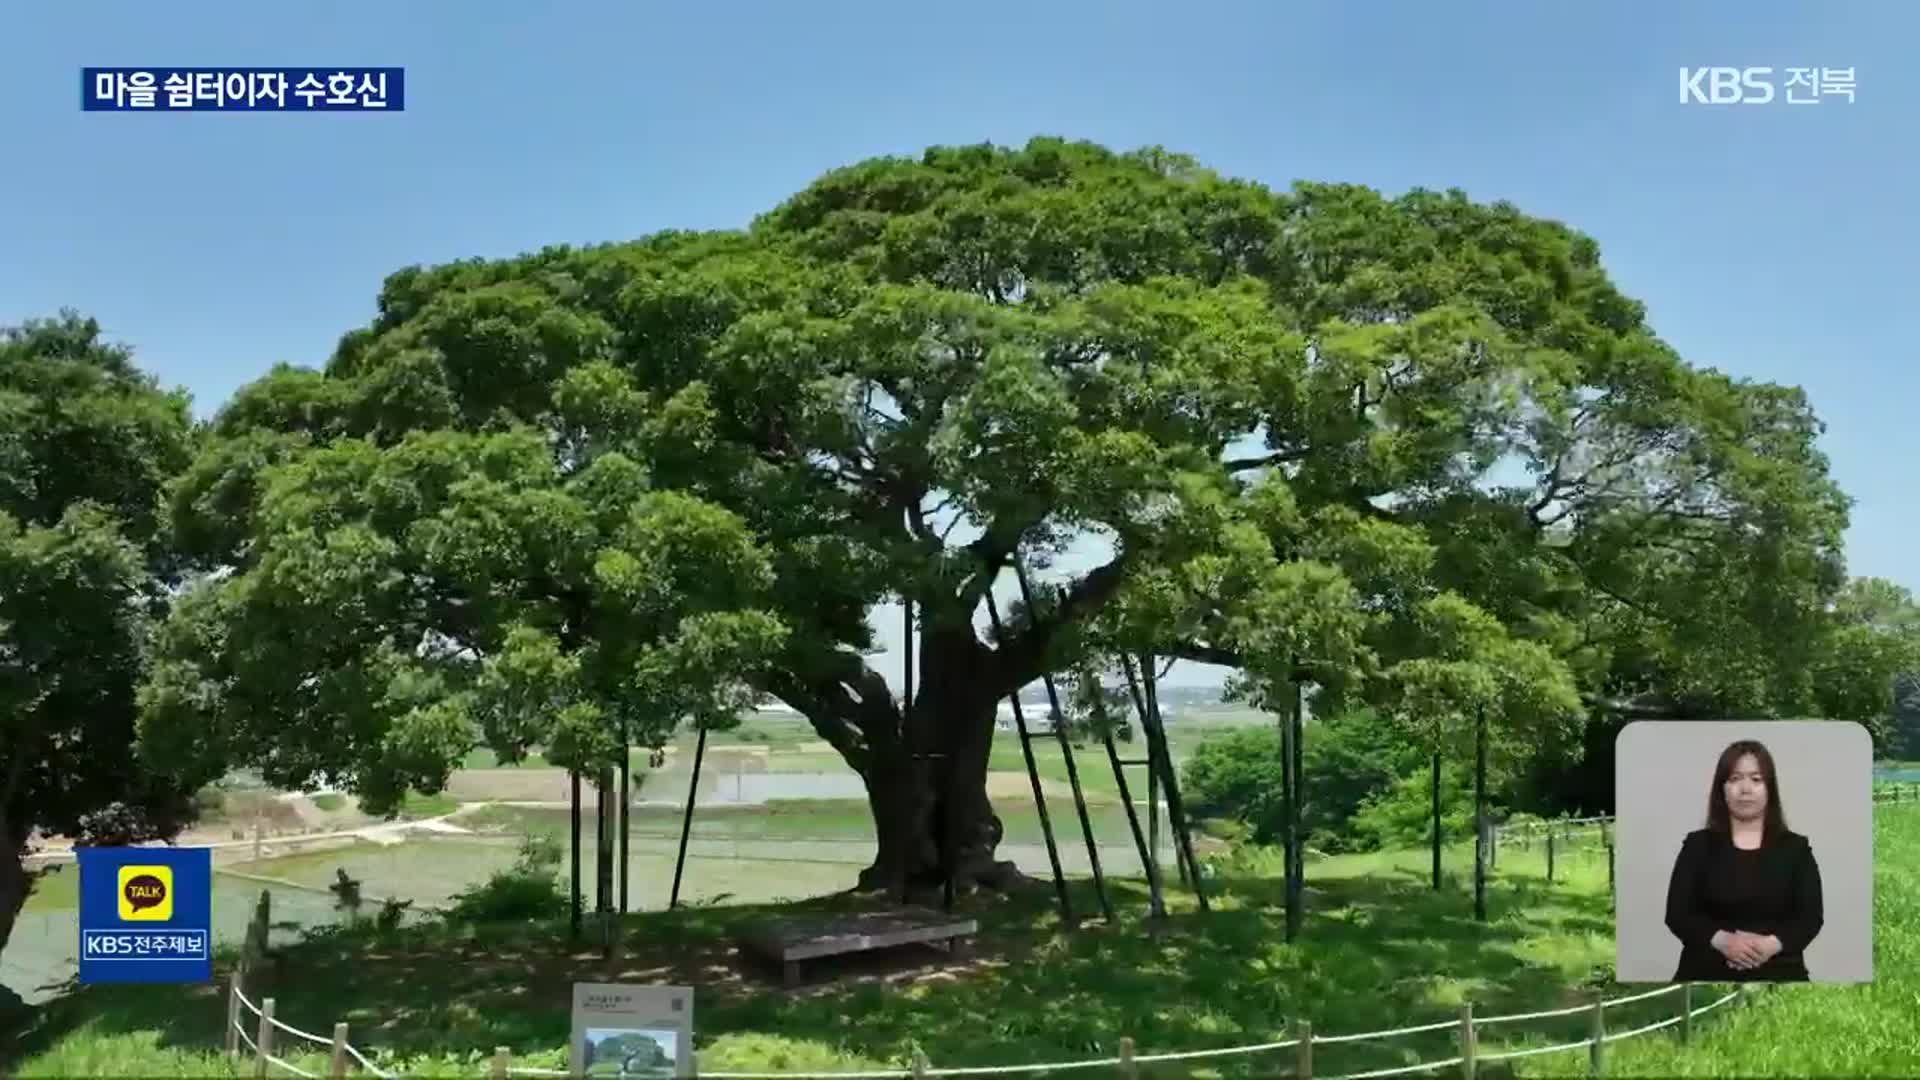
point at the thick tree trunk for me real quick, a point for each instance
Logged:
(929, 811)
(16, 881)
(928, 789)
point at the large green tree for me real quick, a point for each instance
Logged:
(87, 442)
(1868, 657)
(1296, 425)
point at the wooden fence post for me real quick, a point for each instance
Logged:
(1468, 1042)
(233, 1016)
(263, 1042)
(1303, 1053)
(1549, 856)
(1596, 1048)
(1127, 1068)
(1686, 1013)
(337, 1067)
(499, 1070)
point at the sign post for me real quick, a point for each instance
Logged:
(624, 1029)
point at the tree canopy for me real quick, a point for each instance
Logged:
(1415, 450)
(87, 443)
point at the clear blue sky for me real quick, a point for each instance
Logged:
(1771, 241)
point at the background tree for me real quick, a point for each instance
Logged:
(1281, 421)
(396, 605)
(1867, 658)
(87, 442)
(1471, 673)
(1854, 654)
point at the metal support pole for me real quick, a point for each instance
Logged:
(686, 820)
(1480, 816)
(626, 803)
(1066, 754)
(1436, 819)
(602, 843)
(1287, 830)
(1153, 772)
(1176, 813)
(1156, 905)
(1033, 774)
(608, 847)
(574, 778)
(1296, 851)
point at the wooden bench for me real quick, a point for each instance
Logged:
(788, 942)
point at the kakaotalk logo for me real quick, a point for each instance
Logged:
(146, 893)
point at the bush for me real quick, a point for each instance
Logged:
(210, 804)
(1238, 775)
(528, 891)
(392, 910)
(1347, 758)
(1402, 815)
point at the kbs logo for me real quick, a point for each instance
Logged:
(1756, 85)
(146, 893)
(1726, 86)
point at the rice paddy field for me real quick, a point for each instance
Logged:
(754, 852)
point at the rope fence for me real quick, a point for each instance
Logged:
(261, 1044)
(1588, 836)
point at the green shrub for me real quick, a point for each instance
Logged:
(392, 910)
(1402, 815)
(1347, 759)
(1238, 775)
(210, 804)
(528, 891)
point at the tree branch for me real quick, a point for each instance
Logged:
(1202, 653)
(1023, 658)
(1658, 708)
(828, 707)
(1263, 461)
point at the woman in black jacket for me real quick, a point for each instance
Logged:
(1744, 899)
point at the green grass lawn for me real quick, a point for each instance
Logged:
(418, 806)
(57, 889)
(1380, 949)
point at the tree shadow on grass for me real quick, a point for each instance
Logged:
(1374, 953)
(191, 1015)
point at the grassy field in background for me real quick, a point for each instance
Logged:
(1380, 949)
(841, 821)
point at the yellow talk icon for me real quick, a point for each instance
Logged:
(146, 893)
